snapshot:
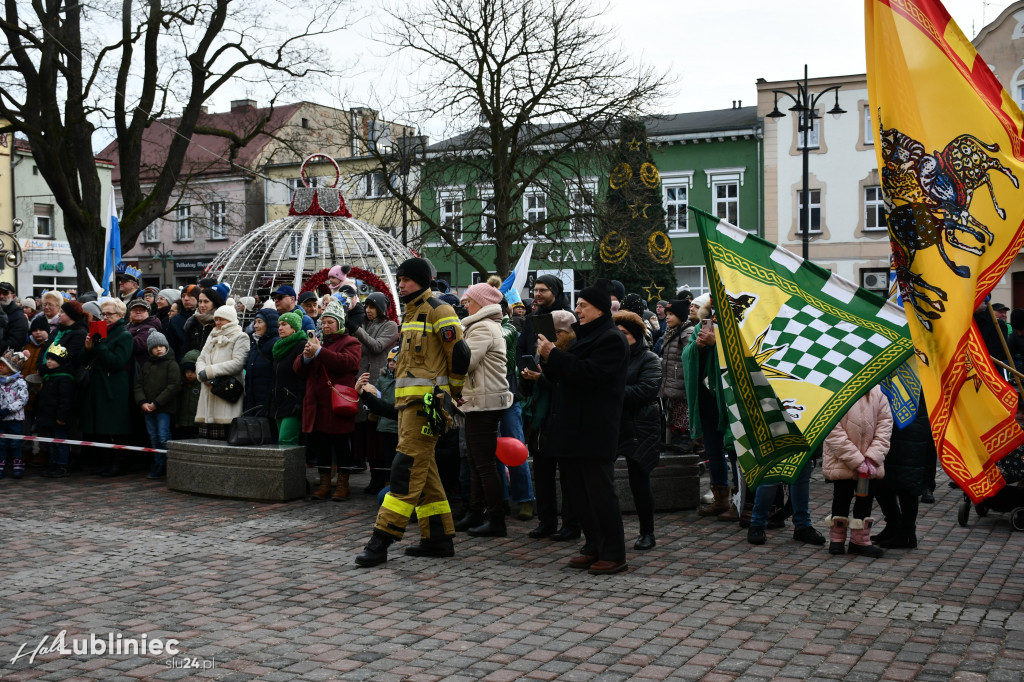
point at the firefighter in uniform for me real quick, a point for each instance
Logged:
(431, 371)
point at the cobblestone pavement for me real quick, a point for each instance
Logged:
(269, 591)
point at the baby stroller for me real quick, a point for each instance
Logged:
(1009, 500)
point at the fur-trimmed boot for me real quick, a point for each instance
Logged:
(837, 526)
(720, 504)
(860, 539)
(324, 490)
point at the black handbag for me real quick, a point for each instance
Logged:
(229, 388)
(251, 429)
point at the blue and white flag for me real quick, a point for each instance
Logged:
(111, 247)
(517, 278)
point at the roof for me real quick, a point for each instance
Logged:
(736, 120)
(22, 146)
(207, 154)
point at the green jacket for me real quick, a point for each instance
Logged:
(158, 382)
(386, 386)
(108, 397)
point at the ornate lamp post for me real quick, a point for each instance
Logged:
(164, 256)
(804, 103)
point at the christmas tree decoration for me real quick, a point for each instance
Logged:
(633, 246)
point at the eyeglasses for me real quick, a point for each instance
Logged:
(109, 314)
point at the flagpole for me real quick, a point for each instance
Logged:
(1006, 348)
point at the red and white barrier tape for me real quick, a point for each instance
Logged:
(87, 443)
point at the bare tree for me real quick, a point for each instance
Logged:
(70, 69)
(540, 86)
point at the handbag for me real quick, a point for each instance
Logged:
(344, 399)
(250, 429)
(83, 375)
(229, 388)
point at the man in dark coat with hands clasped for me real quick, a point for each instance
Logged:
(590, 382)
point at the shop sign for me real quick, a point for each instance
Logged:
(190, 264)
(56, 267)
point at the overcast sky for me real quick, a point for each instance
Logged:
(715, 51)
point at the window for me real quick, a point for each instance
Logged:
(810, 138)
(312, 246)
(869, 130)
(692, 278)
(218, 220)
(44, 220)
(815, 212)
(152, 233)
(374, 186)
(675, 208)
(451, 211)
(874, 209)
(581, 204)
(535, 207)
(726, 198)
(487, 221)
(183, 224)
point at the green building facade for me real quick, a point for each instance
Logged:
(712, 160)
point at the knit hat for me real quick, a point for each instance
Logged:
(551, 282)
(483, 294)
(248, 303)
(40, 324)
(617, 289)
(226, 312)
(192, 290)
(337, 311)
(563, 320)
(270, 316)
(94, 309)
(155, 339)
(378, 301)
(189, 361)
(139, 303)
(215, 297)
(703, 304)
(597, 297)
(416, 269)
(151, 290)
(87, 296)
(14, 359)
(663, 304)
(633, 303)
(29, 303)
(207, 282)
(338, 273)
(171, 295)
(631, 322)
(680, 309)
(293, 320)
(450, 299)
(73, 309)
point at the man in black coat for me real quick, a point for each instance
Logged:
(586, 409)
(16, 333)
(548, 297)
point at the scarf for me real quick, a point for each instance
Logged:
(203, 318)
(284, 346)
(225, 336)
(10, 377)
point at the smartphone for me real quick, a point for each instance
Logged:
(707, 325)
(530, 363)
(98, 328)
(310, 334)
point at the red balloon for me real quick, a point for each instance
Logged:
(511, 451)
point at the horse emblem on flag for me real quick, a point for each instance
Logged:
(928, 197)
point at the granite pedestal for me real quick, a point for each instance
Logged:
(251, 472)
(675, 483)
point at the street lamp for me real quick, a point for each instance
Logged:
(803, 104)
(158, 253)
(409, 148)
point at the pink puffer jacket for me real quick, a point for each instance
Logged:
(864, 431)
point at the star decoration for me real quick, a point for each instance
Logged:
(639, 210)
(654, 292)
(762, 355)
(972, 373)
(634, 145)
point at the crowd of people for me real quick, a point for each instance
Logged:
(429, 396)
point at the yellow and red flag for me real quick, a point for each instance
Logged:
(949, 146)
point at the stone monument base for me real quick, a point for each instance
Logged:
(675, 483)
(269, 473)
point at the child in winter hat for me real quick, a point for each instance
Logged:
(13, 398)
(188, 396)
(156, 388)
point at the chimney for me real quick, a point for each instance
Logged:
(204, 109)
(243, 105)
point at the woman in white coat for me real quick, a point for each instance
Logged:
(855, 449)
(484, 398)
(223, 355)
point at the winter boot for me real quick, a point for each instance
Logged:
(730, 514)
(325, 485)
(17, 468)
(889, 533)
(720, 504)
(341, 491)
(432, 547)
(837, 526)
(860, 539)
(376, 550)
(494, 527)
(469, 520)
